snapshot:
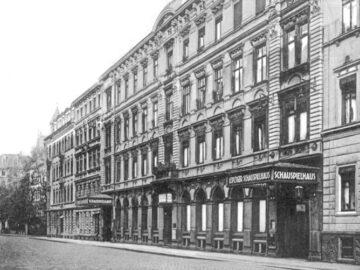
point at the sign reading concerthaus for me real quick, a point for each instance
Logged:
(274, 174)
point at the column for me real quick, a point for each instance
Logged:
(209, 224)
(176, 219)
(247, 223)
(161, 223)
(227, 224)
(149, 222)
(139, 228)
(130, 217)
(122, 229)
(193, 225)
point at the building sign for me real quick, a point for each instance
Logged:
(274, 174)
(165, 198)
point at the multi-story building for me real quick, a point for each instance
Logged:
(341, 135)
(90, 203)
(60, 167)
(212, 129)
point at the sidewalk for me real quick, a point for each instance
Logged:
(288, 263)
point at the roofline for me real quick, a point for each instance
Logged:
(84, 94)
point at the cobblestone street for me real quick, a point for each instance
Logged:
(29, 253)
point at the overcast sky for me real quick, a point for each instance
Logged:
(53, 50)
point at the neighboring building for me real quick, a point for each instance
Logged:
(60, 167)
(212, 130)
(89, 200)
(341, 135)
(12, 169)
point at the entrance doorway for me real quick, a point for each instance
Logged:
(107, 223)
(167, 224)
(293, 227)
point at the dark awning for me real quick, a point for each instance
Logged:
(274, 173)
(96, 200)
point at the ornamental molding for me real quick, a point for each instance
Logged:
(217, 6)
(126, 156)
(185, 30)
(217, 123)
(237, 51)
(134, 153)
(155, 54)
(184, 135)
(185, 81)
(200, 130)
(299, 18)
(315, 6)
(126, 76)
(259, 40)
(144, 149)
(144, 62)
(199, 20)
(154, 145)
(169, 44)
(236, 114)
(134, 70)
(200, 72)
(217, 62)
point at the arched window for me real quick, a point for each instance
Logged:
(201, 210)
(118, 215)
(126, 214)
(218, 210)
(135, 206)
(186, 212)
(144, 212)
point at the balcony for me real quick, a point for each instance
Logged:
(167, 170)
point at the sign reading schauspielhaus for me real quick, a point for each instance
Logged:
(274, 174)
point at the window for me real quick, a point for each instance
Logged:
(155, 114)
(186, 100)
(107, 136)
(201, 145)
(201, 38)
(185, 153)
(260, 64)
(260, 6)
(236, 138)
(156, 67)
(296, 46)
(350, 15)
(262, 216)
(237, 14)
(218, 92)
(185, 49)
(220, 217)
(117, 131)
(144, 165)
(108, 99)
(118, 170)
(154, 161)
(347, 247)
(295, 118)
(240, 216)
(126, 167)
(259, 132)
(348, 88)
(237, 76)
(107, 171)
(168, 148)
(118, 92)
(218, 23)
(188, 217)
(218, 144)
(347, 188)
(144, 120)
(145, 74)
(135, 123)
(169, 106)
(203, 217)
(126, 88)
(126, 127)
(201, 84)
(135, 166)
(135, 78)
(169, 59)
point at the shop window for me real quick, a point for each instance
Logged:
(155, 203)
(347, 248)
(260, 64)
(203, 217)
(201, 38)
(348, 88)
(201, 210)
(118, 215)
(201, 93)
(262, 216)
(135, 214)
(238, 13)
(218, 210)
(237, 76)
(144, 214)
(186, 100)
(350, 15)
(188, 217)
(347, 188)
(186, 212)
(126, 214)
(218, 25)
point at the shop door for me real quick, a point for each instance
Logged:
(167, 224)
(293, 230)
(107, 224)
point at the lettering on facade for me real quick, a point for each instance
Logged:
(249, 177)
(307, 176)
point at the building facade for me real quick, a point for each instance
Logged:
(341, 135)
(12, 169)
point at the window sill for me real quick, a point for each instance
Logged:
(345, 260)
(346, 214)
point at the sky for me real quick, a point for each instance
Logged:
(51, 51)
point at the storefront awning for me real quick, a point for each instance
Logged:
(97, 200)
(274, 173)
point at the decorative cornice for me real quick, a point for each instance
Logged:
(217, 62)
(184, 135)
(185, 81)
(200, 129)
(200, 19)
(299, 18)
(237, 114)
(259, 40)
(185, 30)
(200, 72)
(217, 122)
(237, 51)
(169, 44)
(217, 6)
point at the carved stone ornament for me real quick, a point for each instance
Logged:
(126, 76)
(237, 51)
(200, 73)
(217, 6)
(184, 135)
(298, 18)
(237, 114)
(185, 81)
(144, 62)
(134, 153)
(134, 110)
(200, 130)
(315, 6)
(259, 40)
(273, 32)
(169, 44)
(217, 123)
(144, 149)
(155, 54)
(154, 145)
(200, 19)
(185, 31)
(134, 69)
(217, 62)
(126, 156)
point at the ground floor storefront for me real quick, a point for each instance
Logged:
(272, 210)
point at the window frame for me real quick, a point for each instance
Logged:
(186, 48)
(340, 196)
(238, 69)
(353, 4)
(201, 38)
(186, 99)
(218, 28)
(201, 92)
(264, 66)
(344, 84)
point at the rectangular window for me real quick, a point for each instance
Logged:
(156, 67)
(260, 64)
(347, 188)
(186, 100)
(185, 49)
(126, 169)
(240, 215)
(135, 123)
(118, 131)
(168, 149)
(108, 136)
(118, 92)
(236, 141)
(185, 153)
(295, 121)
(201, 38)
(145, 75)
(259, 132)
(260, 6)
(237, 75)
(169, 107)
(201, 149)
(155, 114)
(144, 120)
(262, 216)
(118, 170)
(348, 88)
(135, 80)
(218, 92)
(108, 98)
(218, 24)
(169, 59)
(154, 158)
(203, 217)
(144, 167)
(107, 171)
(201, 95)
(347, 247)
(135, 167)
(126, 88)
(220, 217)
(126, 128)
(350, 15)
(188, 217)
(237, 14)
(218, 144)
